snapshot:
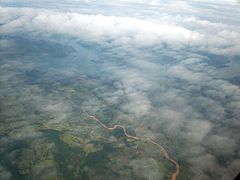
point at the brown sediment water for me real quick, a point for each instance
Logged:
(163, 150)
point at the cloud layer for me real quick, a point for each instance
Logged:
(201, 35)
(163, 71)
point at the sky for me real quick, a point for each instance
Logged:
(173, 65)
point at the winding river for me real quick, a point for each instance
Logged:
(163, 150)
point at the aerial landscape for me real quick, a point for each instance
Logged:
(119, 89)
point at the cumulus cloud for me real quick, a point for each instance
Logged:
(121, 30)
(94, 27)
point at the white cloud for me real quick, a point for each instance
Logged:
(196, 130)
(122, 30)
(222, 145)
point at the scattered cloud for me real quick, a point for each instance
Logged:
(164, 80)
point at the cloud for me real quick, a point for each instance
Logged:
(196, 130)
(4, 173)
(23, 133)
(122, 30)
(222, 145)
(95, 27)
(5, 44)
(162, 78)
